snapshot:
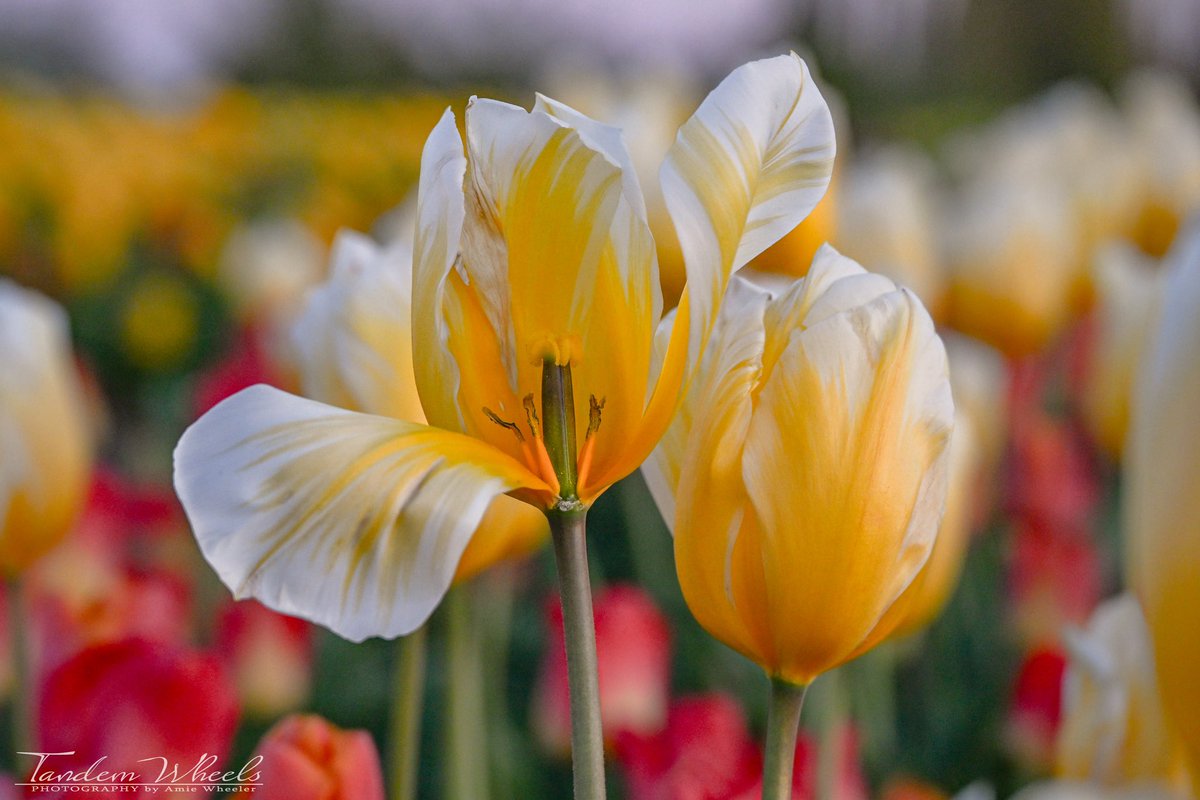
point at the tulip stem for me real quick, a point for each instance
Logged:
(408, 694)
(568, 529)
(466, 740)
(783, 725)
(23, 690)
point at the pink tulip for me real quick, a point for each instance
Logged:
(304, 757)
(633, 648)
(269, 655)
(1036, 709)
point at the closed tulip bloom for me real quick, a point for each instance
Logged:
(534, 276)
(1128, 286)
(45, 451)
(1162, 511)
(304, 757)
(806, 478)
(1113, 731)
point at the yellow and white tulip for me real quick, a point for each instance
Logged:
(532, 254)
(1162, 508)
(805, 478)
(45, 444)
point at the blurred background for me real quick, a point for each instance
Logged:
(174, 174)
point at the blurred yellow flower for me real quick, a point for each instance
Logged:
(45, 447)
(1162, 509)
(1113, 732)
(1011, 254)
(1128, 286)
(886, 220)
(805, 478)
(534, 277)
(159, 322)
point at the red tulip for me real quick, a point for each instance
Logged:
(304, 757)
(633, 649)
(142, 707)
(1037, 708)
(705, 752)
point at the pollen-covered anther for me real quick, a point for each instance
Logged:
(512, 426)
(531, 416)
(595, 408)
(562, 350)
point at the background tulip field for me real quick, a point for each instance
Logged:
(174, 174)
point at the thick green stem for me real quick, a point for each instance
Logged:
(408, 694)
(587, 739)
(466, 761)
(783, 724)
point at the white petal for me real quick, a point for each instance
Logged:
(354, 337)
(354, 521)
(750, 164)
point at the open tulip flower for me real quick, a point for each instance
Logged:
(805, 477)
(535, 319)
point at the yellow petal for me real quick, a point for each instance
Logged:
(925, 597)
(45, 447)
(700, 489)
(354, 521)
(354, 337)
(1162, 511)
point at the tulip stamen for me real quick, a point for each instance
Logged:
(531, 416)
(595, 408)
(512, 426)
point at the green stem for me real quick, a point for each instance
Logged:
(408, 694)
(568, 529)
(466, 730)
(783, 724)
(23, 690)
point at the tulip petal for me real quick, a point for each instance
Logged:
(750, 164)
(1162, 514)
(865, 396)
(354, 338)
(354, 521)
(45, 447)
(713, 529)
(440, 214)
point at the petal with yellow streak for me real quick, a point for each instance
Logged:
(354, 521)
(716, 530)
(354, 337)
(1162, 512)
(749, 165)
(845, 464)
